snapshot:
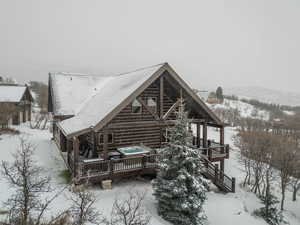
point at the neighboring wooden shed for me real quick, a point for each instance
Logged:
(15, 104)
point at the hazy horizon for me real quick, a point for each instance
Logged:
(227, 43)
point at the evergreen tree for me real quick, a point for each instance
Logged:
(179, 187)
(219, 94)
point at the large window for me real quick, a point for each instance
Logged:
(136, 107)
(110, 138)
(152, 104)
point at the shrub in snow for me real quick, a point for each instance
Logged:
(129, 211)
(83, 210)
(179, 187)
(269, 212)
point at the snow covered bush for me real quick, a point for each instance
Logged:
(179, 187)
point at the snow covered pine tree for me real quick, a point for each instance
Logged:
(179, 187)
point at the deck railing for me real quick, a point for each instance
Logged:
(218, 177)
(215, 151)
(114, 166)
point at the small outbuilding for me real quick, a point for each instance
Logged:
(15, 104)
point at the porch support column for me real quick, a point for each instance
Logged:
(68, 152)
(222, 136)
(205, 135)
(198, 135)
(105, 146)
(222, 142)
(76, 154)
(161, 97)
(222, 165)
(94, 144)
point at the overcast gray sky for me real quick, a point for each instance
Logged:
(209, 42)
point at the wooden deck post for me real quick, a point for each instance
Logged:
(161, 97)
(198, 135)
(227, 151)
(222, 165)
(111, 167)
(233, 185)
(144, 161)
(94, 144)
(216, 173)
(222, 141)
(105, 144)
(68, 152)
(76, 154)
(204, 135)
(209, 150)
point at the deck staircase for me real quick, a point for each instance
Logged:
(218, 178)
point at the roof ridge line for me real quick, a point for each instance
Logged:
(143, 68)
(107, 75)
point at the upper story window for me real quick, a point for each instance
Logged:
(136, 107)
(152, 104)
(110, 138)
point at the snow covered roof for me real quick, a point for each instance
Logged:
(10, 93)
(90, 98)
(70, 91)
(93, 100)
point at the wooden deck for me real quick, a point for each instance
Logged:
(141, 165)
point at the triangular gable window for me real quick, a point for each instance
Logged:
(136, 106)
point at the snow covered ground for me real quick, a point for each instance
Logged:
(221, 209)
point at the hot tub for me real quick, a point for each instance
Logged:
(133, 151)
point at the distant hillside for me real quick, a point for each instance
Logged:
(265, 95)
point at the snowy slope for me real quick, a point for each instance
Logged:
(245, 109)
(265, 95)
(221, 209)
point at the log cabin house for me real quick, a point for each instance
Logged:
(15, 103)
(110, 126)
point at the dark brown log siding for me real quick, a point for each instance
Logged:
(149, 135)
(126, 114)
(137, 135)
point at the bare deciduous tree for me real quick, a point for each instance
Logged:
(83, 209)
(129, 211)
(295, 183)
(286, 162)
(26, 205)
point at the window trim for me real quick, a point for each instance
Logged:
(156, 108)
(141, 106)
(102, 134)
